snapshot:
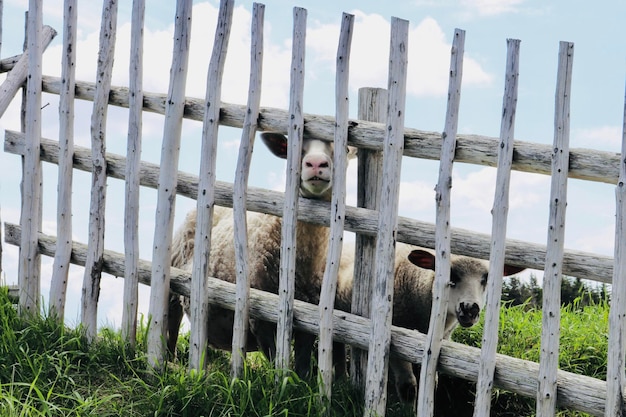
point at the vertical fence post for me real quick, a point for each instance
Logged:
(30, 219)
(206, 187)
(498, 234)
(168, 179)
(240, 192)
(615, 377)
(93, 265)
(372, 107)
(338, 207)
(133, 161)
(551, 322)
(60, 270)
(382, 296)
(443, 232)
(286, 287)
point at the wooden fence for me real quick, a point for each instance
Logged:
(376, 221)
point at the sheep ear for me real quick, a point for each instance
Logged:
(422, 258)
(276, 143)
(512, 270)
(352, 152)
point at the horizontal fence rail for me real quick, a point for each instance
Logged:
(585, 164)
(576, 263)
(580, 392)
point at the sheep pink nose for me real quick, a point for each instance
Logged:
(316, 162)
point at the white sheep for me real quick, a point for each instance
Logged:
(412, 300)
(264, 242)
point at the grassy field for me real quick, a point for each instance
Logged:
(49, 370)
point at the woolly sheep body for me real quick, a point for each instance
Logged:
(264, 242)
(412, 299)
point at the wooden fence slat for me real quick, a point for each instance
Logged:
(93, 267)
(498, 234)
(551, 306)
(60, 269)
(359, 220)
(133, 160)
(580, 392)
(372, 107)
(30, 216)
(166, 194)
(19, 69)
(338, 207)
(286, 286)
(586, 164)
(206, 197)
(382, 295)
(615, 377)
(240, 193)
(441, 287)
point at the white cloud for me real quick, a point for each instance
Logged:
(429, 55)
(158, 55)
(602, 137)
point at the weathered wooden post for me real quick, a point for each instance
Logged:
(382, 296)
(443, 234)
(338, 206)
(60, 270)
(133, 161)
(286, 288)
(93, 265)
(372, 107)
(166, 193)
(498, 235)
(551, 323)
(240, 192)
(206, 187)
(615, 377)
(30, 217)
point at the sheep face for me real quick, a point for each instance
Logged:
(317, 163)
(468, 281)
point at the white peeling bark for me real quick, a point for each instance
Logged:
(441, 287)
(30, 219)
(498, 234)
(133, 161)
(240, 193)
(166, 195)
(338, 207)
(286, 287)
(551, 307)
(60, 269)
(615, 378)
(372, 107)
(93, 267)
(382, 296)
(199, 307)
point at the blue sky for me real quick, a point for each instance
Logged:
(597, 32)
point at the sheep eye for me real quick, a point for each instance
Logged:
(452, 284)
(483, 281)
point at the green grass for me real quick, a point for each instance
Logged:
(583, 346)
(47, 369)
